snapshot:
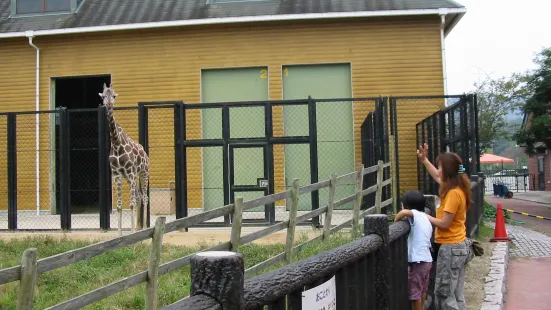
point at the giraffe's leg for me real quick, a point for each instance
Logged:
(139, 216)
(118, 184)
(145, 196)
(132, 182)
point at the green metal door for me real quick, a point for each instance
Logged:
(334, 126)
(228, 85)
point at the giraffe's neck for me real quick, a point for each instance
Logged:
(113, 132)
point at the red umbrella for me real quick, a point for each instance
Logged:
(494, 159)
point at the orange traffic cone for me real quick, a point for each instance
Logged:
(499, 232)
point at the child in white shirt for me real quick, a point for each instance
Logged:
(419, 253)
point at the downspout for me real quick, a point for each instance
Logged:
(30, 35)
(443, 47)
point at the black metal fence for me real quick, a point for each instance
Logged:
(516, 180)
(202, 156)
(453, 129)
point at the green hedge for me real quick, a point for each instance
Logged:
(491, 211)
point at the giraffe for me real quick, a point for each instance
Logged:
(128, 160)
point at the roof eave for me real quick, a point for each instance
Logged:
(455, 20)
(244, 19)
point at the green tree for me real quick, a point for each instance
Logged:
(497, 98)
(538, 105)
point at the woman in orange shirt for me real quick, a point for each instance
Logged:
(450, 235)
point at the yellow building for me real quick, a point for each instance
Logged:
(59, 53)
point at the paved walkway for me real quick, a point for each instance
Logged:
(528, 282)
(529, 270)
(534, 196)
(528, 243)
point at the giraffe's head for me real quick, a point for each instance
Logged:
(108, 96)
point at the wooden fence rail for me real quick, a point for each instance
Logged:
(369, 273)
(31, 268)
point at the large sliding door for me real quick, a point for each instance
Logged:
(334, 125)
(229, 85)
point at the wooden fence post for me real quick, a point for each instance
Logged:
(237, 220)
(292, 222)
(220, 275)
(154, 261)
(28, 280)
(379, 195)
(329, 214)
(357, 201)
(378, 224)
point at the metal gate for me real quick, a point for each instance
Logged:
(375, 145)
(453, 129)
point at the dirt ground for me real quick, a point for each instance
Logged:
(191, 238)
(477, 270)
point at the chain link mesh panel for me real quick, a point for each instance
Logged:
(83, 167)
(162, 191)
(33, 213)
(247, 122)
(205, 180)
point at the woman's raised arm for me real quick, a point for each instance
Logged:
(422, 154)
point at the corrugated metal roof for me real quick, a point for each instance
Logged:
(117, 12)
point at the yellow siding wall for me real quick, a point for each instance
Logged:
(399, 56)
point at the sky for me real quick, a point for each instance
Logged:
(495, 38)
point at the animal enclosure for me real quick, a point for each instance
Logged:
(202, 156)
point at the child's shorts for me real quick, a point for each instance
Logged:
(418, 278)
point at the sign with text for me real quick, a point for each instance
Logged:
(321, 297)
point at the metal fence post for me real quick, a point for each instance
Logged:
(442, 138)
(313, 135)
(226, 156)
(378, 224)
(463, 121)
(104, 146)
(220, 275)
(143, 133)
(269, 130)
(477, 140)
(12, 171)
(64, 173)
(180, 160)
(394, 126)
(472, 134)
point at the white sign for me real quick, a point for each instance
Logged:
(321, 297)
(263, 183)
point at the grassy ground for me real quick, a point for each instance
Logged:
(478, 269)
(62, 284)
